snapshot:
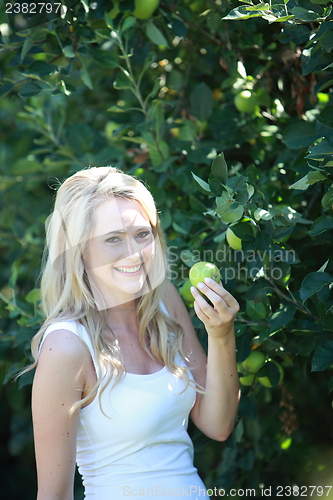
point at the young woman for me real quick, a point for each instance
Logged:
(119, 367)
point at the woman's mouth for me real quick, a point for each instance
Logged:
(133, 271)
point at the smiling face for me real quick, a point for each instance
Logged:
(120, 252)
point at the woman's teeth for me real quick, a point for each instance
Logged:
(128, 270)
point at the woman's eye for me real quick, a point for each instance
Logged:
(143, 234)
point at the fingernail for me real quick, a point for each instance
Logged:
(193, 289)
(200, 285)
(208, 280)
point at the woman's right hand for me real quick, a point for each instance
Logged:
(58, 383)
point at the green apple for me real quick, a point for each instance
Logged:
(185, 291)
(202, 270)
(247, 380)
(265, 380)
(245, 101)
(233, 240)
(254, 361)
(144, 9)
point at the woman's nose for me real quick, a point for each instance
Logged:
(133, 247)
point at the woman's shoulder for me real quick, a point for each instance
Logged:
(59, 328)
(68, 334)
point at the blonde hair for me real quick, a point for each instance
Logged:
(65, 286)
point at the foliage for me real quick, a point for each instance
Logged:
(156, 98)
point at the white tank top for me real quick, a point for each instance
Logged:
(142, 448)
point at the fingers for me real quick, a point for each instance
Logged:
(217, 289)
(217, 294)
(218, 302)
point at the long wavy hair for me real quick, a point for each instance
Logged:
(65, 287)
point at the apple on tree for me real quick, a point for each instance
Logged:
(254, 361)
(233, 240)
(144, 9)
(245, 101)
(265, 380)
(248, 379)
(202, 270)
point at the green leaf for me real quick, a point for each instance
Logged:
(327, 200)
(128, 23)
(280, 318)
(248, 406)
(33, 295)
(300, 135)
(105, 58)
(123, 81)
(309, 179)
(294, 33)
(315, 59)
(85, 77)
(243, 13)
(39, 69)
(243, 230)
(313, 283)
(29, 89)
(325, 315)
(233, 213)
(219, 169)
(201, 185)
(188, 258)
(243, 347)
(4, 89)
(260, 213)
(327, 41)
(320, 225)
(320, 151)
(202, 101)
(324, 82)
(68, 51)
(27, 44)
(155, 34)
(323, 357)
(304, 14)
(14, 274)
(256, 310)
(215, 186)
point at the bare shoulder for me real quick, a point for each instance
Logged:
(63, 342)
(63, 355)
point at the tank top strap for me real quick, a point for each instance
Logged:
(76, 328)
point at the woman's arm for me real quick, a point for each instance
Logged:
(214, 412)
(58, 384)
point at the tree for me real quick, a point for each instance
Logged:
(156, 97)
